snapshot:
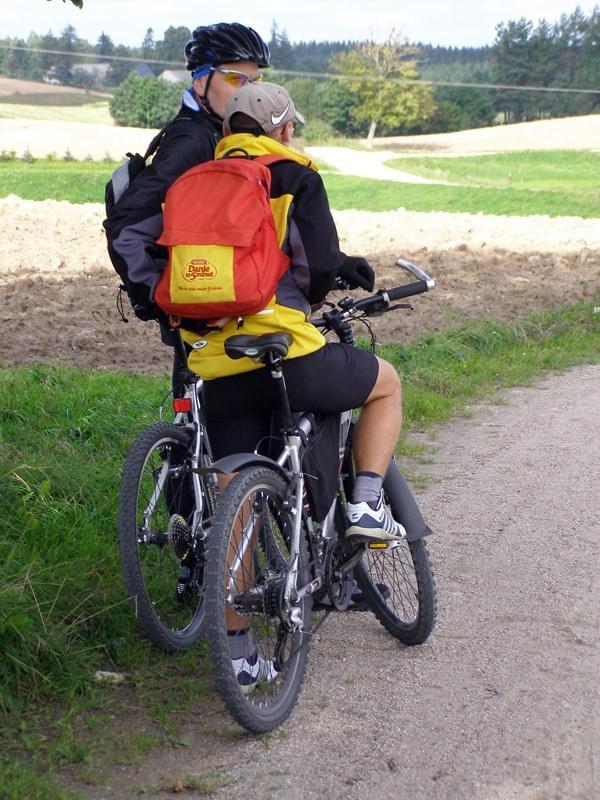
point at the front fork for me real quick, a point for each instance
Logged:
(291, 597)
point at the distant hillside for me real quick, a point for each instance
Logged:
(16, 90)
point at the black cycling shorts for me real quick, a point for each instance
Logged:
(239, 409)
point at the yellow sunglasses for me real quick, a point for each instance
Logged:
(236, 78)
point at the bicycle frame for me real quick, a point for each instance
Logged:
(289, 462)
(187, 404)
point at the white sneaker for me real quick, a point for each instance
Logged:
(253, 670)
(368, 523)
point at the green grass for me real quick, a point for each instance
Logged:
(570, 171)
(81, 182)
(63, 436)
(75, 181)
(77, 109)
(442, 373)
(373, 195)
(553, 182)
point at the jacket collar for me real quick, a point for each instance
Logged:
(261, 146)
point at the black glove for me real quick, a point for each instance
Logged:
(146, 312)
(358, 273)
(139, 297)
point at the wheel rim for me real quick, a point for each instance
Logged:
(395, 569)
(171, 566)
(254, 581)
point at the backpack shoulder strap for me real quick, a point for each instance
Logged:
(154, 144)
(271, 159)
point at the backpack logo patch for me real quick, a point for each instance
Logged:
(199, 268)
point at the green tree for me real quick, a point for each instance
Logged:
(337, 104)
(17, 63)
(104, 46)
(148, 44)
(282, 51)
(170, 47)
(119, 70)
(382, 76)
(145, 102)
(512, 59)
(458, 107)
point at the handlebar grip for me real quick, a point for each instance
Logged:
(408, 290)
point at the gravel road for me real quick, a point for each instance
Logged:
(503, 702)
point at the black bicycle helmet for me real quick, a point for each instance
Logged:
(223, 43)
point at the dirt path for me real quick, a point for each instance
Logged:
(503, 702)
(369, 164)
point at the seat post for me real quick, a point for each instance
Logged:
(276, 370)
(180, 374)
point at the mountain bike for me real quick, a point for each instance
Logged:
(271, 559)
(166, 502)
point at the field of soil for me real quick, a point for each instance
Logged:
(61, 290)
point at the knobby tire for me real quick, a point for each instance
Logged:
(151, 566)
(252, 518)
(410, 610)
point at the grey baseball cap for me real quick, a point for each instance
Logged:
(267, 103)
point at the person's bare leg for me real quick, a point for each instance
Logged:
(245, 576)
(379, 423)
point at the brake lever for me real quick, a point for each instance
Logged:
(381, 308)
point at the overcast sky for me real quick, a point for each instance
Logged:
(444, 22)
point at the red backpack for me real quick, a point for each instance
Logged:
(224, 258)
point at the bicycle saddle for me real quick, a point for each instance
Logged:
(257, 347)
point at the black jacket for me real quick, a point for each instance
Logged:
(135, 222)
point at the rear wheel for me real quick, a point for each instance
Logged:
(247, 562)
(163, 562)
(406, 607)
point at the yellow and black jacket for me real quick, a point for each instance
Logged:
(307, 233)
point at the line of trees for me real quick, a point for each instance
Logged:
(564, 53)
(36, 66)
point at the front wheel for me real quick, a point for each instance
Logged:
(398, 583)
(162, 561)
(258, 656)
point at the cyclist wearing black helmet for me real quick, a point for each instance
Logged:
(221, 58)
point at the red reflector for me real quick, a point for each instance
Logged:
(182, 404)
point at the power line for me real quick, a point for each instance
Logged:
(501, 86)
(320, 75)
(90, 55)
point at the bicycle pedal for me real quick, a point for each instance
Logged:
(385, 545)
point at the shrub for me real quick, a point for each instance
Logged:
(317, 131)
(145, 102)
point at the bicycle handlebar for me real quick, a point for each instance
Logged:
(416, 272)
(380, 301)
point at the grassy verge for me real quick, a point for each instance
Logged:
(569, 171)
(366, 194)
(80, 182)
(75, 181)
(63, 436)
(442, 373)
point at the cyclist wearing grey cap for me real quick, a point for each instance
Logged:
(321, 377)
